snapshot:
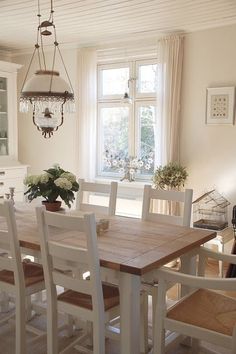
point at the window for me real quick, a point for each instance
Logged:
(126, 130)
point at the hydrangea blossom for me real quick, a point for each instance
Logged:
(70, 176)
(63, 183)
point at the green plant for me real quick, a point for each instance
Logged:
(54, 183)
(170, 176)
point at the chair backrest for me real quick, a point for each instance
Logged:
(184, 197)
(61, 262)
(10, 255)
(86, 189)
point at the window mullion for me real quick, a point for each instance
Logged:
(132, 110)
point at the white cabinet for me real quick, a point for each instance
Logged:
(12, 173)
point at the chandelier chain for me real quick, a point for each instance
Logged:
(53, 64)
(31, 60)
(51, 12)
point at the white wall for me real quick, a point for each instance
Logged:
(208, 151)
(36, 151)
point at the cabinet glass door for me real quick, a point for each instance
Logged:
(3, 117)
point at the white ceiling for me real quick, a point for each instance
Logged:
(93, 22)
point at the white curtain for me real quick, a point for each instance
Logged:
(169, 73)
(87, 113)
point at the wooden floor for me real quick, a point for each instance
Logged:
(7, 334)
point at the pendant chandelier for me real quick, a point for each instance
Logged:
(126, 99)
(46, 92)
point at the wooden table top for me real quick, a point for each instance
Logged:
(129, 245)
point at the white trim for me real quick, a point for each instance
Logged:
(102, 67)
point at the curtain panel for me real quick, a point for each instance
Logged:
(169, 75)
(87, 64)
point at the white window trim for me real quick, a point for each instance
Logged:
(102, 67)
(115, 101)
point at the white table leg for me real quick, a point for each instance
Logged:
(188, 266)
(130, 313)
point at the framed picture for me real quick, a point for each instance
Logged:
(220, 105)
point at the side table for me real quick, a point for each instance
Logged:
(223, 236)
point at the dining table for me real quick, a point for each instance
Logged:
(130, 250)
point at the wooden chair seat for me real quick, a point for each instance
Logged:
(206, 309)
(110, 296)
(33, 274)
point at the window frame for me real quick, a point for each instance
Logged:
(139, 99)
(146, 95)
(102, 67)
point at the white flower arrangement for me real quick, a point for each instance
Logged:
(128, 165)
(54, 183)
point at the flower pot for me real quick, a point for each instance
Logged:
(54, 206)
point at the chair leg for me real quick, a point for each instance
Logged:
(195, 346)
(98, 338)
(159, 341)
(70, 323)
(20, 325)
(28, 308)
(52, 331)
(4, 302)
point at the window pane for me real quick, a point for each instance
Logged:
(147, 78)
(147, 138)
(115, 124)
(115, 81)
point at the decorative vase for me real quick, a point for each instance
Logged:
(52, 206)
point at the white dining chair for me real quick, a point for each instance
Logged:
(89, 189)
(184, 197)
(18, 279)
(184, 203)
(205, 313)
(88, 299)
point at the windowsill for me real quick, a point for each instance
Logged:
(135, 184)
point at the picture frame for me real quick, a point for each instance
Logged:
(220, 105)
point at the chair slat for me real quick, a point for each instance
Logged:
(67, 222)
(82, 286)
(166, 219)
(174, 196)
(96, 187)
(110, 190)
(67, 252)
(94, 208)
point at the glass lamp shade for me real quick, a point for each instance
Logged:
(126, 99)
(47, 86)
(50, 97)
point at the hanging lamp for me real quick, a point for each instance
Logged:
(126, 99)
(46, 92)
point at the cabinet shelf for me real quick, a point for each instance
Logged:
(3, 90)
(3, 112)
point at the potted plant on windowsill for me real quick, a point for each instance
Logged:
(52, 184)
(170, 176)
